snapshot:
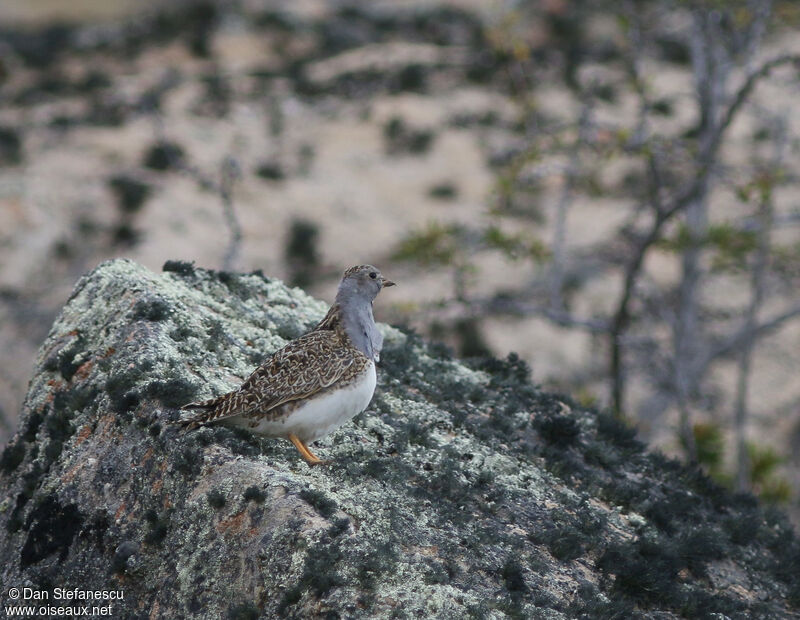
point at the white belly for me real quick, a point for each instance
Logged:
(323, 414)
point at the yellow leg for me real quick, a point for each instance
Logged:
(309, 457)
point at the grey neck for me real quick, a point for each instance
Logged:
(359, 324)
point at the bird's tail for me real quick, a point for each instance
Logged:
(204, 411)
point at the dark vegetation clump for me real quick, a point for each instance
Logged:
(237, 285)
(443, 191)
(64, 360)
(51, 529)
(271, 171)
(126, 235)
(164, 156)
(617, 432)
(244, 611)
(10, 147)
(216, 498)
(13, 455)
(254, 494)
(402, 139)
(151, 309)
(645, 570)
(129, 192)
(565, 542)
(372, 564)
(216, 100)
(182, 268)
(301, 253)
(559, 430)
(514, 577)
(188, 461)
(39, 49)
(320, 574)
(171, 392)
(158, 526)
(321, 503)
(663, 568)
(121, 387)
(471, 341)
(200, 22)
(237, 440)
(32, 425)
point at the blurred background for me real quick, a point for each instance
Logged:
(606, 189)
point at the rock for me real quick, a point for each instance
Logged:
(463, 491)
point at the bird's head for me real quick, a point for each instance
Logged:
(362, 281)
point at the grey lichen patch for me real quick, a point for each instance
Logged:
(462, 491)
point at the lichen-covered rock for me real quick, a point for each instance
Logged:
(463, 491)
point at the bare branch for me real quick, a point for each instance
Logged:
(743, 93)
(759, 330)
(230, 174)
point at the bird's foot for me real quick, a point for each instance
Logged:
(307, 455)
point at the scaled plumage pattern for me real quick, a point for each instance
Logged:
(315, 383)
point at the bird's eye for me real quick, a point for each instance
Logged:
(373, 275)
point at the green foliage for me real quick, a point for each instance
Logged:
(761, 187)
(710, 446)
(515, 246)
(786, 259)
(767, 483)
(435, 245)
(731, 246)
(765, 480)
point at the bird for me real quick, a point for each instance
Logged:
(315, 383)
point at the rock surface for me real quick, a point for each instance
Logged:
(463, 491)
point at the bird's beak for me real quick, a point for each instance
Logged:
(385, 282)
